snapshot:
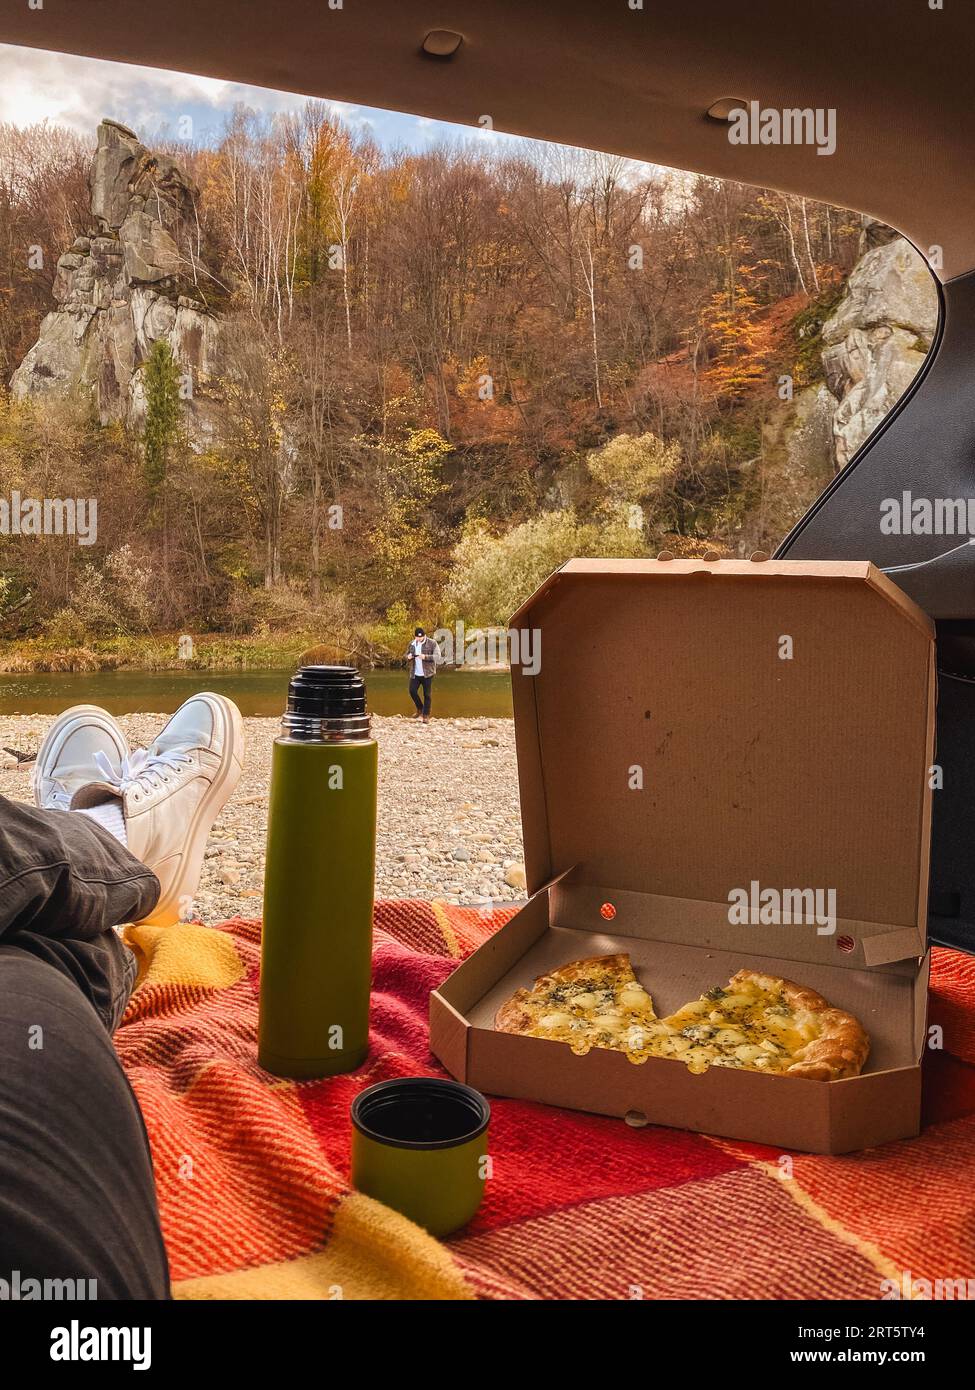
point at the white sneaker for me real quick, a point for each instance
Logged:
(171, 794)
(78, 746)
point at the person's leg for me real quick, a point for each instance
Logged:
(427, 696)
(414, 687)
(77, 1196)
(64, 883)
(77, 1199)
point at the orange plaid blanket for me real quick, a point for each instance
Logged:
(252, 1171)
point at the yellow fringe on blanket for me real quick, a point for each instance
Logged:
(372, 1253)
(185, 954)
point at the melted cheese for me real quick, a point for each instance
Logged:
(603, 1011)
(753, 1029)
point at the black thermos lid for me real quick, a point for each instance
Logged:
(327, 692)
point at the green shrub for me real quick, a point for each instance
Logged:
(493, 575)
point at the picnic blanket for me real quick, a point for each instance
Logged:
(252, 1171)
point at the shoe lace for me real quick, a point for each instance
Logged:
(141, 769)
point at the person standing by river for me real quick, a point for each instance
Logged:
(423, 656)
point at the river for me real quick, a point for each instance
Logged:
(455, 693)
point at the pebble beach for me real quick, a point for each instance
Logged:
(449, 820)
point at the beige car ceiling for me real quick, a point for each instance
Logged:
(610, 75)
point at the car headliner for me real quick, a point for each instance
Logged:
(601, 74)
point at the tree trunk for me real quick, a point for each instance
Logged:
(590, 278)
(316, 535)
(792, 247)
(812, 263)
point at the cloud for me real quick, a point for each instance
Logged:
(37, 85)
(77, 92)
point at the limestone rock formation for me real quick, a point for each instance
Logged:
(876, 340)
(122, 287)
(873, 345)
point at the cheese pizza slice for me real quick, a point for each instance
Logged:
(596, 1002)
(762, 1023)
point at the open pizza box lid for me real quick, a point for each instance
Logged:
(697, 733)
(779, 716)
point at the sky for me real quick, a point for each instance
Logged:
(77, 92)
(67, 90)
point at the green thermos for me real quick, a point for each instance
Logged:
(319, 878)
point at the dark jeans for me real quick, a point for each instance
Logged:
(426, 683)
(77, 1199)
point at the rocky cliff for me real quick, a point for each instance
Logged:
(866, 352)
(875, 342)
(125, 284)
(873, 345)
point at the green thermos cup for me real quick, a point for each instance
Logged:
(419, 1145)
(319, 879)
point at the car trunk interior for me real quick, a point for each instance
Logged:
(639, 81)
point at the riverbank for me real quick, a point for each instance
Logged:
(449, 820)
(217, 651)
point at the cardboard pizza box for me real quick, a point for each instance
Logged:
(697, 733)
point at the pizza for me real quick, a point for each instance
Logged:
(762, 1023)
(588, 1003)
(755, 1023)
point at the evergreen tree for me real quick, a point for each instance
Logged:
(162, 431)
(161, 381)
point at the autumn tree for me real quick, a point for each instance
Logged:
(525, 344)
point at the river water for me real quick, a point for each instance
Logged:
(455, 693)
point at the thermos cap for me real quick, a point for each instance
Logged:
(326, 703)
(327, 691)
(419, 1145)
(420, 1112)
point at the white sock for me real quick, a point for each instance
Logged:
(109, 814)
